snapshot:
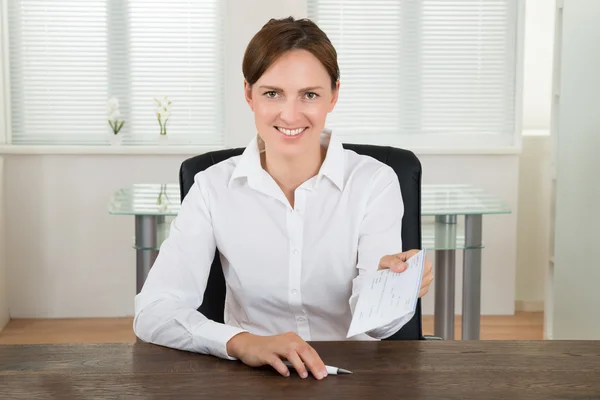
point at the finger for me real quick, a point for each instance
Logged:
(425, 284)
(427, 279)
(424, 287)
(279, 366)
(387, 262)
(313, 361)
(399, 267)
(405, 255)
(299, 366)
(428, 266)
(391, 262)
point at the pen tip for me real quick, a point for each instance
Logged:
(343, 371)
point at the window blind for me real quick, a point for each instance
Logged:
(415, 70)
(68, 57)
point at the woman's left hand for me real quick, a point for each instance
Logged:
(397, 263)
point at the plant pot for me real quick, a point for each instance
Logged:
(163, 139)
(116, 140)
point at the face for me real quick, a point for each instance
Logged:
(290, 102)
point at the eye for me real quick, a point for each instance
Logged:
(271, 94)
(311, 95)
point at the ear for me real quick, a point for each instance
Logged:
(248, 94)
(334, 98)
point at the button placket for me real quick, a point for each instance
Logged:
(296, 232)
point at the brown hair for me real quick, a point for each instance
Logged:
(281, 35)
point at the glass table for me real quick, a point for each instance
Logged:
(155, 205)
(446, 203)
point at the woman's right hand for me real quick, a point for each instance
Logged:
(256, 351)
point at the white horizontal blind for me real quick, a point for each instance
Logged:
(68, 57)
(418, 71)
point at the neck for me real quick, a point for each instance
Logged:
(290, 173)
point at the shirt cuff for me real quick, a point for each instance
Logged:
(212, 337)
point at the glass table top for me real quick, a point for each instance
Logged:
(146, 199)
(434, 235)
(442, 199)
(459, 199)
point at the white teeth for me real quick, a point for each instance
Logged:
(290, 132)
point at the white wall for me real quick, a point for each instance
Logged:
(537, 63)
(68, 258)
(534, 172)
(577, 251)
(4, 315)
(4, 309)
(533, 222)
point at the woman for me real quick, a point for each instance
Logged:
(297, 219)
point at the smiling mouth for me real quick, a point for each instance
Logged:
(291, 132)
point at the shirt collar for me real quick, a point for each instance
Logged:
(249, 163)
(333, 165)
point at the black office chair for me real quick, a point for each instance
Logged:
(408, 169)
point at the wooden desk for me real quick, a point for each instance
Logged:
(388, 370)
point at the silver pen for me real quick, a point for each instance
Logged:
(330, 370)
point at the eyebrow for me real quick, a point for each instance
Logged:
(307, 89)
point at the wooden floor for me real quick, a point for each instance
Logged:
(522, 326)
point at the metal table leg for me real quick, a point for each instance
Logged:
(146, 244)
(445, 265)
(471, 303)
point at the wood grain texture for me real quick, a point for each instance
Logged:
(388, 370)
(521, 326)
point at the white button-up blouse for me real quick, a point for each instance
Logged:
(287, 269)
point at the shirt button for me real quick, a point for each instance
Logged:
(295, 252)
(294, 292)
(301, 319)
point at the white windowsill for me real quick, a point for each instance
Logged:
(195, 150)
(474, 151)
(536, 132)
(108, 150)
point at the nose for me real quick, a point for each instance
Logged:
(290, 112)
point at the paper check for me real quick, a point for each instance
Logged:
(387, 296)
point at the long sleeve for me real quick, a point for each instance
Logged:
(166, 308)
(380, 235)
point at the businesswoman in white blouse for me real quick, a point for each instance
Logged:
(298, 221)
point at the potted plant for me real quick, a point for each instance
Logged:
(163, 112)
(113, 112)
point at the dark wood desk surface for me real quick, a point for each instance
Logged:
(388, 370)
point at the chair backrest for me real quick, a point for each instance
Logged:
(406, 165)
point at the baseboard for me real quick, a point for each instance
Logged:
(529, 305)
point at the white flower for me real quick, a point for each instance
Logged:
(163, 108)
(163, 113)
(112, 109)
(113, 116)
